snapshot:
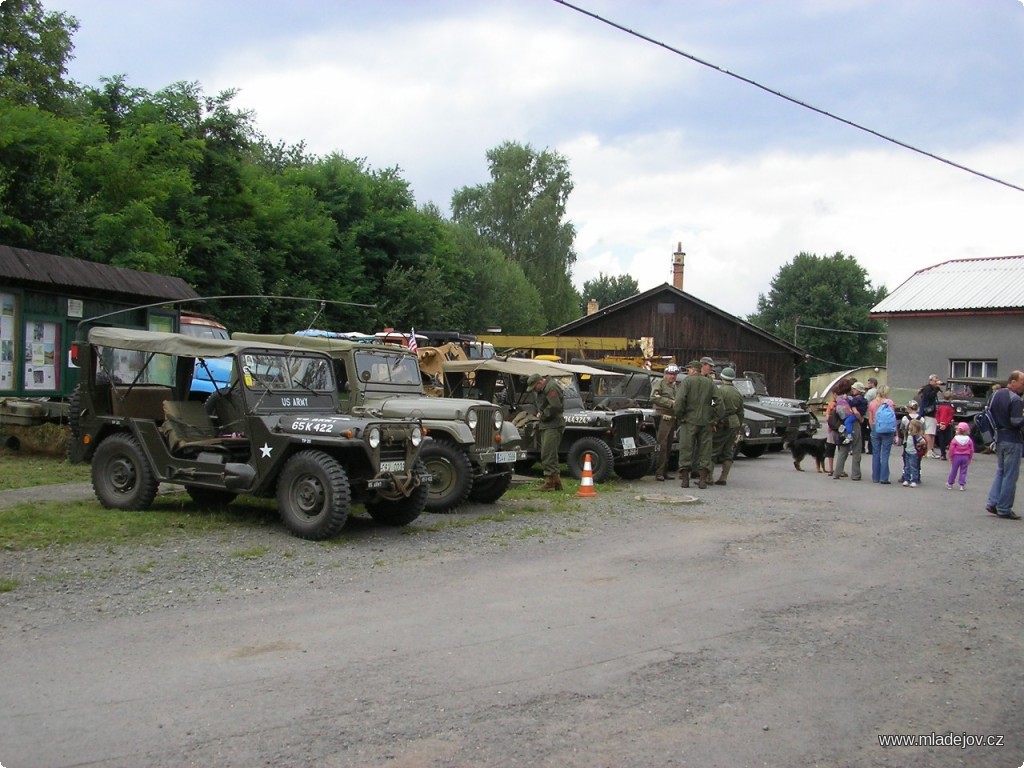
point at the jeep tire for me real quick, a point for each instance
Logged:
(640, 465)
(489, 488)
(452, 475)
(395, 509)
(313, 495)
(601, 458)
(121, 475)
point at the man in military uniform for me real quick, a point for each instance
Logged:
(730, 401)
(551, 425)
(694, 412)
(663, 398)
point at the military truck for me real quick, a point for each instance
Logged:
(472, 448)
(792, 417)
(276, 430)
(614, 439)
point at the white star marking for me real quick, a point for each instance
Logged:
(265, 450)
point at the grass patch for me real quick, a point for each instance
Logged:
(20, 469)
(253, 553)
(8, 585)
(41, 525)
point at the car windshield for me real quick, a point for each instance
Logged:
(283, 372)
(387, 368)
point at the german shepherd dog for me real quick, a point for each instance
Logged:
(808, 446)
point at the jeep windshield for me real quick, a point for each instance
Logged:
(388, 368)
(276, 372)
(745, 386)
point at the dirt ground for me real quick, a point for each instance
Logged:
(784, 620)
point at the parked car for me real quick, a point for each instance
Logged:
(614, 438)
(212, 373)
(472, 447)
(791, 415)
(275, 430)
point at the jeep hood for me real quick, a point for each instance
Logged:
(442, 408)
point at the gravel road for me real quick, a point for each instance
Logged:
(784, 620)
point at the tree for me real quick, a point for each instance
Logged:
(605, 289)
(822, 303)
(35, 47)
(521, 212)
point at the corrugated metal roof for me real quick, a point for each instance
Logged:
(49, 270)
(960, 285)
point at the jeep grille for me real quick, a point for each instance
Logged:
(485, 428)
(625, 425)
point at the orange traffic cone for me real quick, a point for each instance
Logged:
(587, 480)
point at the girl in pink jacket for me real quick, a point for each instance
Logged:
(960, 452)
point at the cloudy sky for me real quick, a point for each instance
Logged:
(662, 150)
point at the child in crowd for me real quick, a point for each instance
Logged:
(845, 410)
(961, 451)
(912, 414)
(914, 447)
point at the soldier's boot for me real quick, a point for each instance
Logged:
(684, 477)
(549, 483)
(556, 481)
(724, 475)
(703, 481)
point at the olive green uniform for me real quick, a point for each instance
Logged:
(723, 444)
(695, 414)
(551, 424)
(663, 398)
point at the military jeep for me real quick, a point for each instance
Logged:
(791, 416)
(275, 430)
(472, 447)
(614, 439)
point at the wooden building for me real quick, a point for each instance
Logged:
(684, 327)
(44, 298)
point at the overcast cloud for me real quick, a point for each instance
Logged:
(661, 149)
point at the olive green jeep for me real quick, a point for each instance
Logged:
(472, 447)
(275, 430)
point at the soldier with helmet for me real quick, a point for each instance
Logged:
(663, 398)
(730, 401)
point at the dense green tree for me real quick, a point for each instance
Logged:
(822, 304)
(606, 289)
(35, 47)
(521, 211)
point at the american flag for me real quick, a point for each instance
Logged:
(413, 346)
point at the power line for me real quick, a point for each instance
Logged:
(781, 95)
(841, 330)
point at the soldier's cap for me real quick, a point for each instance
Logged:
(671, 369)
(728, 374)
(695, 364)
(533, 379)
(707, 361)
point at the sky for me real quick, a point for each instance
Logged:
(662, 150)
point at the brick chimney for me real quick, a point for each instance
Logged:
(677, 267)
(592, 306)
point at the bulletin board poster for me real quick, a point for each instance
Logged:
(42, 340)
(7, 341)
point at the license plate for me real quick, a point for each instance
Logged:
(629, 451)
(629, 443)
(767, 431)
(392, 466)
(505, 457)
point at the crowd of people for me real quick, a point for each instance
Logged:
(706, 417)
(928, 431)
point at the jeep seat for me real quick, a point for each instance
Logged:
(187, 425)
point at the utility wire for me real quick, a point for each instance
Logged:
(781, 95)
(842, 330)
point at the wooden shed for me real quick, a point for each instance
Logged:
(683, 326)
(43, 298)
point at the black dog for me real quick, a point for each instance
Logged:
(808, 446)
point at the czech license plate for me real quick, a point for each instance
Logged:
(629, 451)
(392, 466)
(505, 457)
(767, 431)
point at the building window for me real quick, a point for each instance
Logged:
(974, 369)
(666, 308)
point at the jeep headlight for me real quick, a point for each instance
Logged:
(499, 419)
(471, 419)
(746, 430)
(373, 437)
(416, 437)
